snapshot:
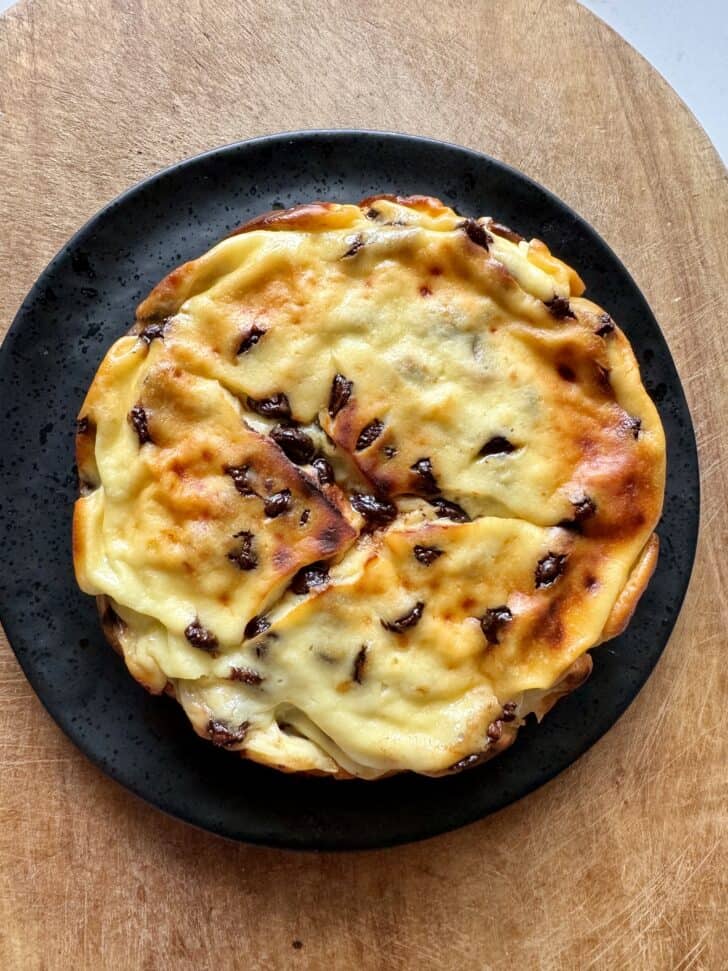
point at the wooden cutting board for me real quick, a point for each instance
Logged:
(620, 862)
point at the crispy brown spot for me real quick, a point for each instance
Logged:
(425, 475)
(246, 676)
(276, 406)
(591, 582)
(341, 390)
(550, 568)
(476, 233)
(406, 621)
(250, 338)
(498, 445)
(495, 730)
(377, 512)
(369, 434)
(560, 308)
(425, 291)
(224, 736)
(314, 575)
(140, 423)
(498, 229)
(492, 622)
(278, 503)
(245, 557)
(427, 554)
(449, 510)
(324, 471)
(201, 637)
(606, 325)
(295, 444)
(256, 625)
(359, 662)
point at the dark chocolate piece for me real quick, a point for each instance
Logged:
(324, 471)
(607, 325)
(498, 445)
(509, 711)
(256, 625)
(476, 233)
(246, 676)
(245, 557)
(278, 503)
(355, 246)
(154, 331)
(295, 444)
(250, 338)
(377, 512)
(239, 475)
(560, 308)
(359, 662)
(277, 406)
(550, 568)
(424, 472)
(201, 637)
(369, 434)
(410, 619)
(224, 736)
(313, 575)
(341, 390)
(449, 510)
(495, 730)
(492, 622)
(427, 554)
(140, 424)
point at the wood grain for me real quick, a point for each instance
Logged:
(621, 862)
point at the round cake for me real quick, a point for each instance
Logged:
(364, 484)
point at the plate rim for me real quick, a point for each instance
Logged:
(464, 818)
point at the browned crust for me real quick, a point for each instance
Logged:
(311, 215)
(573, 678)
(427, 204)
(628, 599)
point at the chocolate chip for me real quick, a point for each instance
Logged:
(222, 735)
(244, 558)
(495, 730)
(246, 676)
(509, 711)
(83, 425)
(250, 338)
(256, 625)
(560, 308)
(449, 510)
(493, 620)
(240, 476)
(276, 406)
(410, 619)
(278, 503)
(498, 229)
(369, 434)
(140, 424)
(305, 516)
(314, 575)
(465, 763)
(201, 637)
(341, 390)
(426, 480)
(550, 568)
(427, 554)
(154, 331)
(372, 213)
(634, 425)
(324, 470)
(359, 661)
(355, 246)
(390, 451)
(566, 372)
(295, 444)
(498, 445)
(583, 508)
(607, 325)
(377, 512)
(476, 233)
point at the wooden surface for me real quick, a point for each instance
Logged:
(620, 862)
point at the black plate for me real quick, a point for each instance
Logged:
(86, 298)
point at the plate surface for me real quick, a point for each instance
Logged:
(85, 299)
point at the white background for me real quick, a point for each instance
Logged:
(686, 40)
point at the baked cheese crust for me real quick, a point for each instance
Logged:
(364, 484)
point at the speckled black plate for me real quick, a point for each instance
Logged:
(86, 298)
